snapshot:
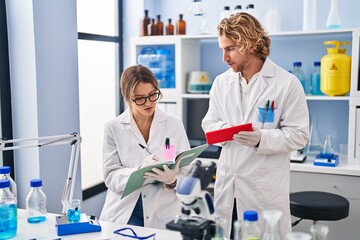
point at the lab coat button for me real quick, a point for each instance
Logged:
(147, 217)
(235, 175)
(144, 196)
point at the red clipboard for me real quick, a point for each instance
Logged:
(226, 134)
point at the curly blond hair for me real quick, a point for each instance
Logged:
(247, 31)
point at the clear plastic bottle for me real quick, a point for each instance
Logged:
(180, 26)
(237, 9)
(250, 229)
(299, 73)
(225, 13)
(144, 22)
(315, 80)
(36, 203)
(8, 211)
(5, 174)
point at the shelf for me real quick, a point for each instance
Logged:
(197, 96)
(328, 98)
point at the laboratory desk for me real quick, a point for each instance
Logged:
(48, 231)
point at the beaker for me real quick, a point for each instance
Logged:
(272, 218)
(319, 232)
(327, 148)
(315, 142)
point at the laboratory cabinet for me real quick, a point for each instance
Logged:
(337, 116)
(344, 185)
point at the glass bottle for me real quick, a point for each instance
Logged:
(299, 73)
(169, 28)
(36, 203)
(180, 26)
(315, 142)
(152, 28)
(315, 80)
(333, 19)
(159, 26)
(5, 174)
(144, 22)
(250, 230)
(327, 148)
(8, 211)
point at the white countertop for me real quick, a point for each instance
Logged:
(350, 167)
(48, 231)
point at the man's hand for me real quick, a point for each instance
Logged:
(248, 138)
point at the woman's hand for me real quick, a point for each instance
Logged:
(167, 176)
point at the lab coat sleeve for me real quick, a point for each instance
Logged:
(115, 174)
(293, 131)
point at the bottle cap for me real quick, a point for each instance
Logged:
(250, 216)
(297, 64)
(317, 64)
(226, 8)
(4, 170)
(4, 183)
(238, 7)
(250, 6)
(35, 183)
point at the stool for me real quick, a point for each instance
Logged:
(316, 206)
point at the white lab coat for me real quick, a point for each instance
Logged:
(122, 155)
(259, 178)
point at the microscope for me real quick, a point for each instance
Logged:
(197, 221)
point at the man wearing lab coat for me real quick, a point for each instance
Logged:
(254, 169)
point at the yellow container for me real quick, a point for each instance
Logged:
(335, 69)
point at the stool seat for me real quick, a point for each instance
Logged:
(316, 206)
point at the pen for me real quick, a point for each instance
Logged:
(272, 105)
(167, 143)
(145, 148)
(265, 110)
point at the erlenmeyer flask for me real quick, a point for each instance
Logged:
(319, 232)
(315, 141)
(272, 218)
(327, 148)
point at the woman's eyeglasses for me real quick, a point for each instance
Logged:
(142, 100)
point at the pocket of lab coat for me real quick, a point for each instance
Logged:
(267, 116)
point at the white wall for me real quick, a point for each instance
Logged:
(44, 88)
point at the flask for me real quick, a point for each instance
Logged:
(169, 28)
(250, 230)
(36, 203)
(159, 25)
(8, 211)
(225, 13)
(152, 28)
(237, 9)
(327, 148)
(180, 26)
(299, 73)
(315, 80)
(5, 174)
(272, 218)
(144, 22)
(333, 19)
(309, 15)
(315, 143)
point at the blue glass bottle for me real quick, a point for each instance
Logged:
(8, 211)
(315, 80)
(36, 203)
(299, 73)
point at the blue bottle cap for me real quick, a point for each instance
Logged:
(35, 183)
(250, 216)
(4, 170)
(4, 183)
(297, 64)
(317, 64)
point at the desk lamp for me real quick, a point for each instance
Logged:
(64, 226)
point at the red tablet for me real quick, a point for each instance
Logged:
(226, 134)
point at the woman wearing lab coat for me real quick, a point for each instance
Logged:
(155, 204)
(254, 170)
